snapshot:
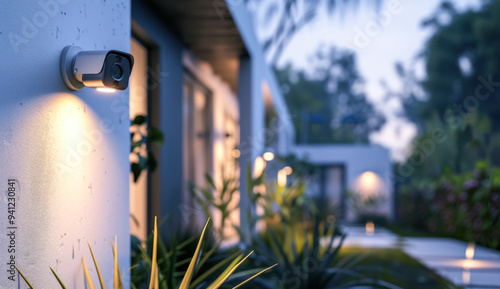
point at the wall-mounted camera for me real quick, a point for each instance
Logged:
(109, 69)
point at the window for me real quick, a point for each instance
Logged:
(197, 136)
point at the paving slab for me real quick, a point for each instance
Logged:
(445, 256)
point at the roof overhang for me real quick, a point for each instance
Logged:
(208, 30)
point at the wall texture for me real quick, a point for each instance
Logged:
(67, 151)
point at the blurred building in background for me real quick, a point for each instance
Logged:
(354, 179)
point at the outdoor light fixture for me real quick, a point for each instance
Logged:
(370, 228)
(268, 156)
(106, 70)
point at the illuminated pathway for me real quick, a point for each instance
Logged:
(461, 263)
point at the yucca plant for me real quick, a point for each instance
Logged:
(154, 283)
(305, 245)
(311, 259)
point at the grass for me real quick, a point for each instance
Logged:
(397, 268)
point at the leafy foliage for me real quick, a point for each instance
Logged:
(139, 141)
(328, 104)
(208, 268)
(304, 245)
(459, 95)
(220, 195)
(465, 206)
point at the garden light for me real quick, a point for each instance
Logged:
(258, 167)
(469, 252)
(370, 228)
(268, 156)
(282, 178)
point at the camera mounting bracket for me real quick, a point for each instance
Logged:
(68, 56)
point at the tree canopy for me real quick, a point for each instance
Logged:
(328, 103)
(462, 95)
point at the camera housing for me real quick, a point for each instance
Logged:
(99, 68)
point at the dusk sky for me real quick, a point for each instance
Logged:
(399, 40)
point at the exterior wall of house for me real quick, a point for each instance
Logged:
(167, 180)
(66, 150)
(254, 75)
(175, 62)
(359, 162)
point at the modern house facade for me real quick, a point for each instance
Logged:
(200, 76)
(210, 97)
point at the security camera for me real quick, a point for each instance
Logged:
(99, 68)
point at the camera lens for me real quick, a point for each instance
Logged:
(116, 72)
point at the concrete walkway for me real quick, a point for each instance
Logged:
(445, 256)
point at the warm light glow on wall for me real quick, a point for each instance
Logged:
(268, 156)
(282, 178)
(368, 184)
(469, 255)
(69, 120)
(368, 179)
(258, 167)
(288, 170)
(370, 228)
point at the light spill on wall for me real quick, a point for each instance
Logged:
(62, 156)
(368, 184)
(67, 150)
(372, 196)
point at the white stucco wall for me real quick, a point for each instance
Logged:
(357, 160)
(68, 151)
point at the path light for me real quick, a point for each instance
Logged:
(469, 252)
(370, 228)
(469, 255)
(268, 156)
